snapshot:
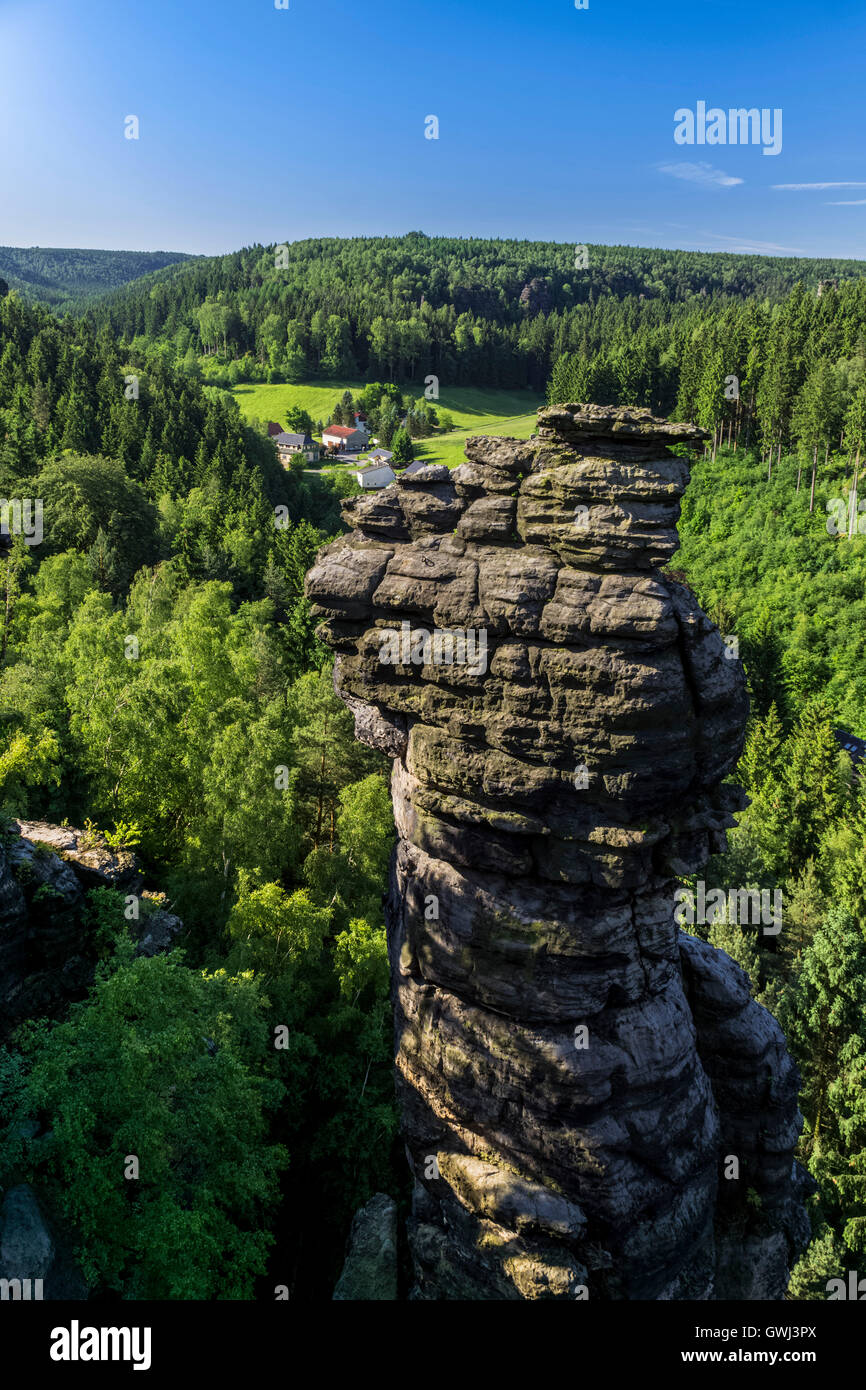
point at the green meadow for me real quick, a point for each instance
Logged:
(474, 411)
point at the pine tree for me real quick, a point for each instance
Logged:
(805, 906)
(403, 448)
(762, 773)
(817, 787)
(824, 1011)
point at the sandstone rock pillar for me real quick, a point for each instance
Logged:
(575, 1072)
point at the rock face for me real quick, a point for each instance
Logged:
(46, 954)
(93, 862)
(30, 1255)
(535, 296)
(576, 1074)
(370, 1271)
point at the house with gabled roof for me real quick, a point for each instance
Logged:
(378, 476)
(290, 445)
(342, 437)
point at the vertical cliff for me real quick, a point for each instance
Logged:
(576, 1074)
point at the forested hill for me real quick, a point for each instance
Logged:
(483, 312)
(63, 277)
(159, 673)
(117, 426)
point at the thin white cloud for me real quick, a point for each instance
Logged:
(846, 203)
(701, 173)
(808, 187)
(748, 246)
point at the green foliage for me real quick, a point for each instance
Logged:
(123, 836)
(361, 961)
(164, 1065)
(825, 1016)
(160, 675)
(64, 278)
(403, 448)
(13, 1105)
(824, 1260)
(278, 931)
(399, 308)
(331, 993)
(26, 761)
(760, 561)
(364, 826)
(105, 919)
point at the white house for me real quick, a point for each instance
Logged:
(380, 456)
(379, 475)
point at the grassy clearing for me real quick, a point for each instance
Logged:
(450, 448)
(272, 402)
(474, 411)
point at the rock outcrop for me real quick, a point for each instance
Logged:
(576, 1074)
(34, 1261)
(47, 953)
(370, 1271)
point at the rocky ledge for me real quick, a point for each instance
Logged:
(47, 953)
(576, 1074)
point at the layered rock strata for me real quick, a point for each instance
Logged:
(576, 1074)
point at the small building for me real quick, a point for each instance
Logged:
(341, 437)
(274, 429)
(855, 747)
(289, 445)
(379, 475)
(380, 456)
(415, 467)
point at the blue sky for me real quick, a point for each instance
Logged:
(258, 124)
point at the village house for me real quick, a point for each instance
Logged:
(289, 445)
(342, 437)
(380, 456)
(377, 476)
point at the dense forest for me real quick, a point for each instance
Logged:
(777, 375)
(471, 311)
(65, 277)
(789, 583)
(221, 753)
